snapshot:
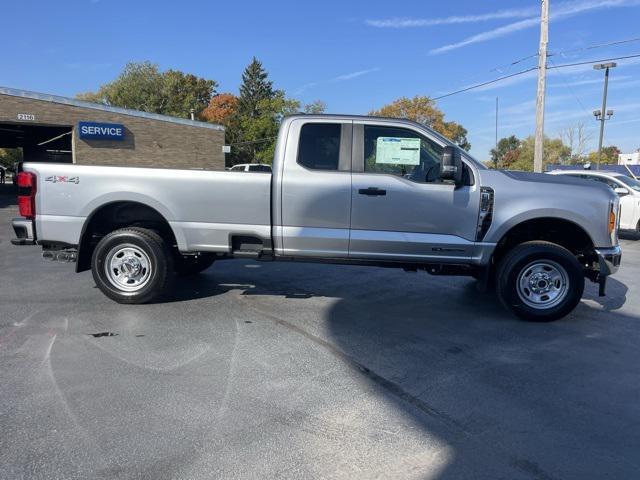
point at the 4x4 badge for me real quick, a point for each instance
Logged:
(60, 179)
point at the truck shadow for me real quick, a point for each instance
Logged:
(501, 398)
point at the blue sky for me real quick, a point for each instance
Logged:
(354, 55)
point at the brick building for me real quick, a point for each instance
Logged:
(49, 128)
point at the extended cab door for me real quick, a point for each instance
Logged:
(401, 210)
(315, 189)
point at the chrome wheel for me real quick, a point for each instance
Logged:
(128, 267)
(543, 284)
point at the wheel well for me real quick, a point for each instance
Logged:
(114, 216)
(556, 230)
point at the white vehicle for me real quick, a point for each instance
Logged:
(627, 188)
(251, 167)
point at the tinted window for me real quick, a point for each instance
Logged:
(319, 146)
(259, 168)
(611, 183)
(631, 183)
(401, 152)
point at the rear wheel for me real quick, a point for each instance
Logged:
(540, 281)
(132, 265)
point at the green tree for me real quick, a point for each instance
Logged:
(142, 86)
(555, 152)
(253, 128)
(423, 110)
(506, 153)
(254, 90)
(315, 107)
(609, 155)
(10, 156)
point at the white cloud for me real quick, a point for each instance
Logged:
(563, 10)
(400, 22)
(340, 78)
(352, 75)
(488, 35)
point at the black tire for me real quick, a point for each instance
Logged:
(518, 265)
(186, 265)
(153, 254)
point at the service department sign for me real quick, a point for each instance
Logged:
(101, 131)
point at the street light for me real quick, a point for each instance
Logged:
(601, 114)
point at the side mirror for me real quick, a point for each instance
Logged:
(451, 165)
(621, 191)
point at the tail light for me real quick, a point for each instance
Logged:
(27, 194)
(614, 220)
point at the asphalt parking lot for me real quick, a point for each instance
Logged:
(258, 370)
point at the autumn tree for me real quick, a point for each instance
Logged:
(423, 110)
(142, 86)
(506, 153)
(221, 108)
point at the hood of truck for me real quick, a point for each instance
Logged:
(522, 196)
(553, 179)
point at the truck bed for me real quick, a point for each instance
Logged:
(203, 207)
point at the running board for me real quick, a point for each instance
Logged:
(253, 254)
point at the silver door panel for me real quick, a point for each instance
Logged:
(425, 216)
(315, 205)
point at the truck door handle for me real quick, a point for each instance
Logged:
(372, 191)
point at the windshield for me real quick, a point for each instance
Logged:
(630, 182)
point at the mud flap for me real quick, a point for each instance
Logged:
(602, 285)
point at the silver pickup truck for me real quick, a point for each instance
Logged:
(344, 189)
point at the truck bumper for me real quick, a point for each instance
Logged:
(24, 231)
(609, 259)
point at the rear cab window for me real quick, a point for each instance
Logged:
(319, 147)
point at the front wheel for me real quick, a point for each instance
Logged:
(540, 281)
(132, 265)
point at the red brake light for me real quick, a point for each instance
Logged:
(27, 194)
(26, 180)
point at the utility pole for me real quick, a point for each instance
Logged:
(600, 114)
(538, 150)
(496, 165)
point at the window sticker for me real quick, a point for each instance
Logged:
(398, 151)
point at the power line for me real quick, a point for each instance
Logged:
(489, 82)
(560, 52)
(563, 65)
(571, 90)
(521, 72)
(598, 45)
